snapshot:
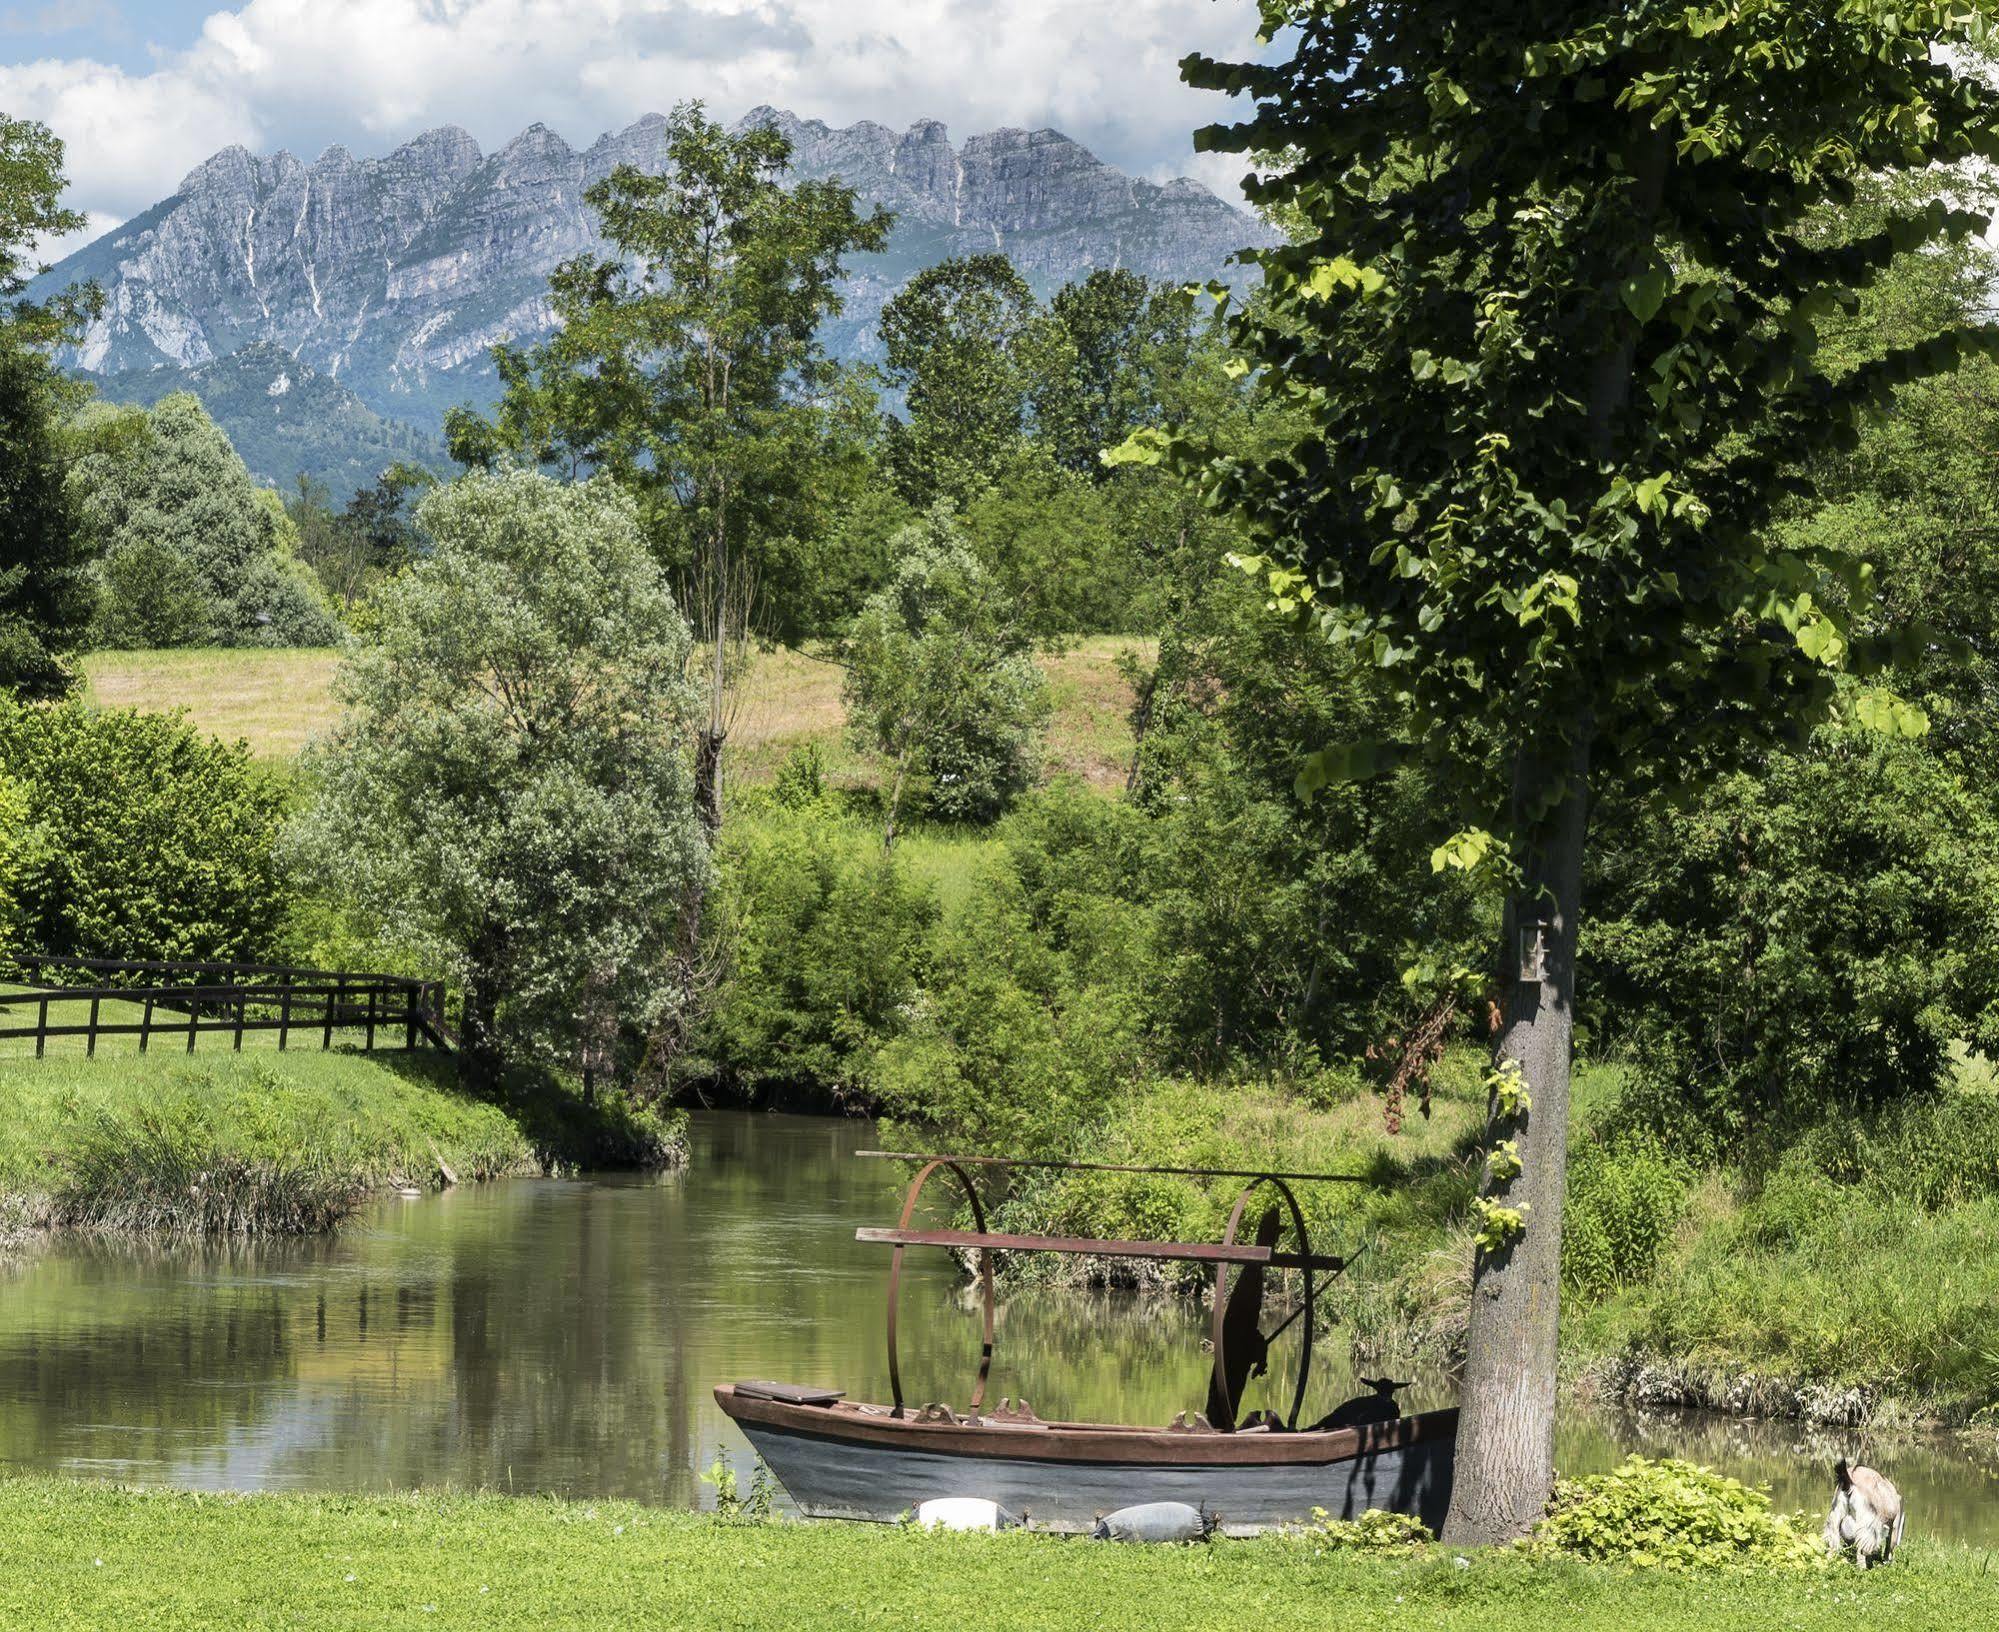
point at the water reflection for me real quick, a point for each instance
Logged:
(564, 1336)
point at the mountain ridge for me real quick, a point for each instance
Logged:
(395, 275)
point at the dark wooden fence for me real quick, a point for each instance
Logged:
(180, 1002)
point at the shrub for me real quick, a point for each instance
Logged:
(1806, 941)
(1671, 1515)
(1373, 1532)
(1007, 1048)
(18, 837)
(1794, 1202)
(1624, 1202)
(154, 841)
(824, 937)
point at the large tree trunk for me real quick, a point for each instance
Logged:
(1506, 1430)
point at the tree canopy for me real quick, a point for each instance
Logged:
(189, 542)
(508, 792)
(45, 586)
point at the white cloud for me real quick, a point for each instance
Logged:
(369, 73)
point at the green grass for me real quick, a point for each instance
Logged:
(1871, 1295)
(217, 1141)
(86, 1556)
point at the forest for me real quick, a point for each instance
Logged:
(1260, 928)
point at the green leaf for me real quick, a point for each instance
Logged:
(1646, 293)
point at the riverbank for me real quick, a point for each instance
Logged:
(1853, 1283)
(89, 1556)
(263, 1143)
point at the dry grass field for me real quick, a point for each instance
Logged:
(275, 701)
(272, 700)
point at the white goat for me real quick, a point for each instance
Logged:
(1866, 1515)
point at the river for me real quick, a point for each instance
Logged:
(564, 1336)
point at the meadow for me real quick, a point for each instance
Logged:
(90, 1556)
(276, 701)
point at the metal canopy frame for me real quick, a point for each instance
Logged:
(1226, 1254)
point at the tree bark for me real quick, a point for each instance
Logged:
(1506, 1429)
(895, 801)
(479, 1058)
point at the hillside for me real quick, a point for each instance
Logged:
(285, 419)
(394, 276)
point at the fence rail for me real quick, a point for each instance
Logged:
(181, 1002)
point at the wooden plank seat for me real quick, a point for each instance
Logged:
(790, 1393)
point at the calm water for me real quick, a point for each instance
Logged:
(564, 1336)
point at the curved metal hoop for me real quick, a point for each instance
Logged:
(1217, 1339)
(985, 1282)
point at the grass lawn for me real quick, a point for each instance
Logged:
(274, 701)
(94, 1556)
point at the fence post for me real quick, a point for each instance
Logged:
(146, 1024)
(332, 1005)
(374, 992)
(409, 1018)
(90, 1037)
(193, 1018)
(284, 1012)
(242, 1004)
(42, 1028)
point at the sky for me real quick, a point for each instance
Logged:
(141, 91)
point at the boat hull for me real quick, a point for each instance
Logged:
(856, 1462)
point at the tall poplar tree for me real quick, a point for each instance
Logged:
(45, 587)
(1550, 315)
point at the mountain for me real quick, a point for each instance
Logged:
(393, 276)
(285, 419)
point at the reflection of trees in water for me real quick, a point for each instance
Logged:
(111, 1331)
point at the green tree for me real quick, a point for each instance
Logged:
(941, 680)
(688, 368)
(1114, 344)
(380, 518)
(146, 837)
(1806, 940)
(508, 791)
(337, 556)
(46, 592)
(190, 544)
(1552, 322)
(957, 338)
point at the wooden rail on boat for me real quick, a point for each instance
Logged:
(1184, 1252)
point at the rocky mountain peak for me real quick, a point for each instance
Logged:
(395, 276)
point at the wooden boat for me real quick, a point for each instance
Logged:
(838, 1458)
